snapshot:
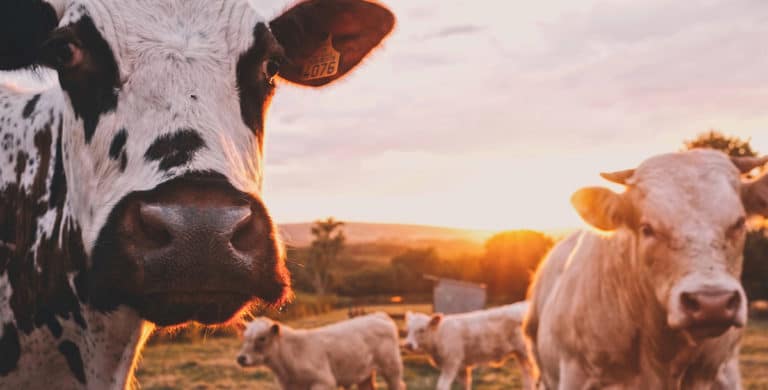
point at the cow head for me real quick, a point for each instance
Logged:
(259, 340)
(686, 215)
(422, 331)
(164, 105)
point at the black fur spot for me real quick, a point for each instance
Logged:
(24, 26)
(58, 187)
(123, 161)
(10, 350)
(118, 143)
(29, 108)
(175, 149)
(92, 87)
(45, 317)
(254, 90)
(75, 362)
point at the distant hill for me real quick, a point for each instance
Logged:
(298, 234)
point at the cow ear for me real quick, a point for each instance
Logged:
(275, 329)
(754, 196)
(435, 319)
(24, 26)
(325, 39)
(600, 207)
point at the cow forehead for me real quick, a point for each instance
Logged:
(256, 327)
(417, 320)
(695, 186)
(139, 30)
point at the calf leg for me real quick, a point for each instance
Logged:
(465, 375)
(394, 379)
(322, 386)
(526, 371)
(368, 384)
(447, 375)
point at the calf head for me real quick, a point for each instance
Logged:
(163, 114)
(685, 213)
(422, 331)
(259, 339)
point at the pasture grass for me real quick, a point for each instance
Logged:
(210, 362)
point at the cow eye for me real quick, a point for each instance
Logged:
(647, 230)
(61, 54)
(271, 68)
(739, 225)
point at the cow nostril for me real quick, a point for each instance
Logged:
(151, 223)
(733, 302)
(689, 302)
(248, 233)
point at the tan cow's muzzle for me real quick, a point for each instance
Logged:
(708, 307)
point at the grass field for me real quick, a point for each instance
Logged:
(210, 363)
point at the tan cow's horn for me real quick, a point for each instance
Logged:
(618, 177)
(746, 164)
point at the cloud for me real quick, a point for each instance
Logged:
(462, 29)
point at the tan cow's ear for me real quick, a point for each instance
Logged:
(754, 196)
(275, 329)
(600, 207)
(435, 320)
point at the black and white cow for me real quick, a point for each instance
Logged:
(129, 194)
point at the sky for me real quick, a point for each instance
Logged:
(490, 114)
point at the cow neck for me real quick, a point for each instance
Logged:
(290, 344)
(43, 260)
(600, 310)
(110, 350)
(604, 312)
(42, 244)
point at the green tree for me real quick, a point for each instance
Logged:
(326, 246)
(410, 267)
(731, 145)
(510, 259)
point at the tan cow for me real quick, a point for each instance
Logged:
(343, 354)
(457, 342)
(654, 300)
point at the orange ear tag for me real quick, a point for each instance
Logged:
(323, 63)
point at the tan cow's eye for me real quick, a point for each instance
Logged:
(737, 226)
(647, 230)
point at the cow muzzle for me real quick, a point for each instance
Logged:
(196, 249)
(707, 309)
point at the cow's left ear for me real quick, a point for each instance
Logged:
(601, 207)
(325, 39)
(754, 196)
(24, 26)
